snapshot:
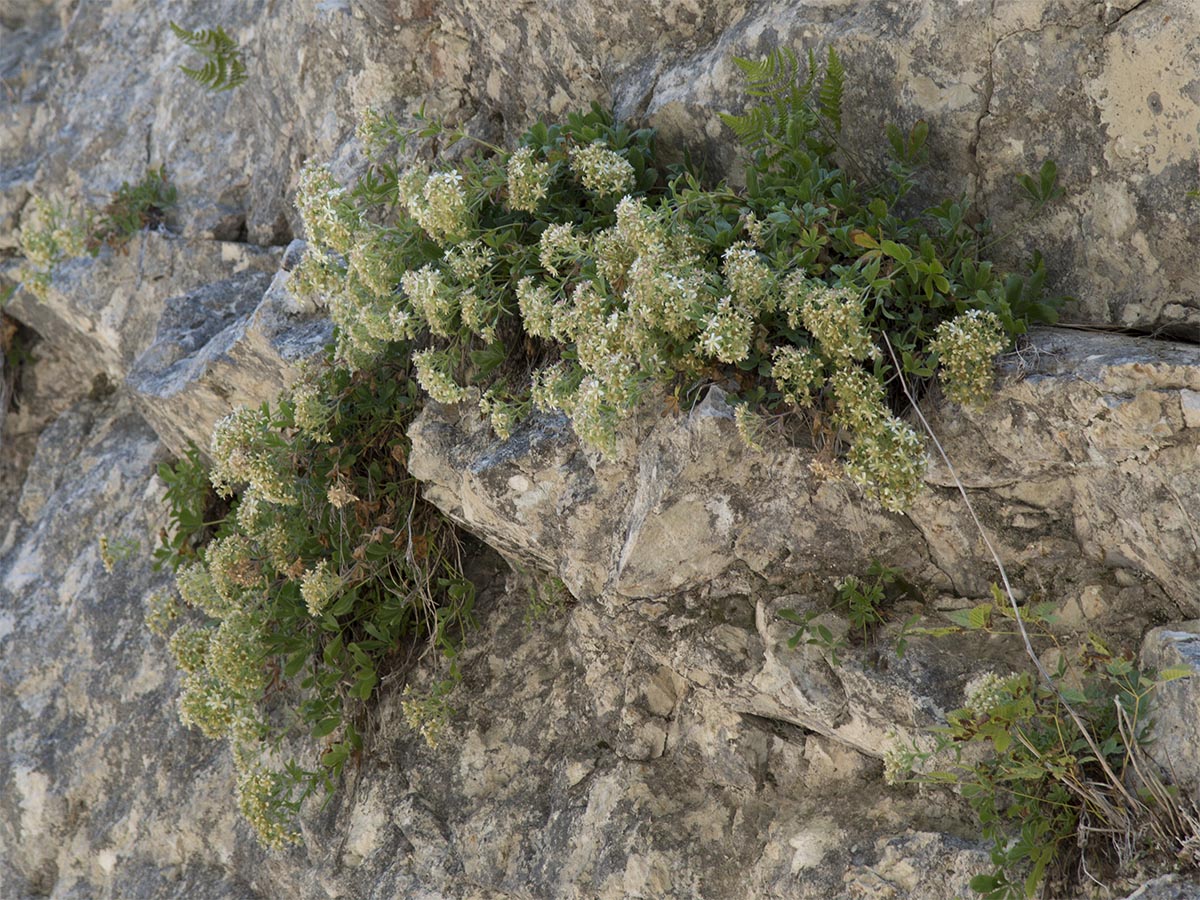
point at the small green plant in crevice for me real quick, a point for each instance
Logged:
(132, 208)
(194, 509)
(548, 597)
(576, 273)
(862, 602)
(223, 68)
(114, 551)
(52, 233)
(1058, 806)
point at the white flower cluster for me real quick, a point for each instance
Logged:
(433, 374)
(431, 299)
(318, 586)
(603, 171)
(207, 704)
(371, 262)
(748, 278)
(797, 371)
(470, 261)
(197, 590)
(233, 566)
(189, 646)
(558, 244)
(276, 544)
(312, 415)
(373, 131)
(437, 202)
(727, 333)
(236, 655)
(528, 180)
(428, 716)
(985, 693)
(254, 513)
(536, 302)
(331, 220)
(749, 427)
(887, 458)
(888, 462)
(663, 297)
(241, 455)
(965, 346)
(256, 789)
(756, 229)
(161, 612)
(316, 278)
(553, 388)
(859, 399)
(502, 413)
(49, 234)
(835, 317)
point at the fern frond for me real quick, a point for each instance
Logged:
(790, 109)
(829, 98)
(223, 69)
(770, 76)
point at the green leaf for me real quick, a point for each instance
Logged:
(1174, 673)
(982, 884)
(975, 619)
(898, 252)
(326, 726)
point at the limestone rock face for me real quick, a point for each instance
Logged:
(1176, 731)
(1106, 89)
(683, 502)
(1090, 440)
(104, 311)
(657, 737)
(96, 771)
(233, 342)
(1079, 466)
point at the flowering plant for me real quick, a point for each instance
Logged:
(573, 273)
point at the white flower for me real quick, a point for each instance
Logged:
(318, 586)
(528, 179)
(727, 333)
(603, 171)
(965, 346)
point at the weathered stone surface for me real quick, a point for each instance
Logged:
(659, 739)
(1112, 97)
(103, 793)
(1167, 887)
(1176, 730)
(682, 502)
(584, 762)
(103, 311)
(1107, 90)
(1085, 451)
(654, 788)
(229, 343)
(1080, 466)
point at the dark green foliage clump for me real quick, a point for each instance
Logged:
(134, 207)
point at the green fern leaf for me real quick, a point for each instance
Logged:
(223, 69)
(790, 109)
(832, 85)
